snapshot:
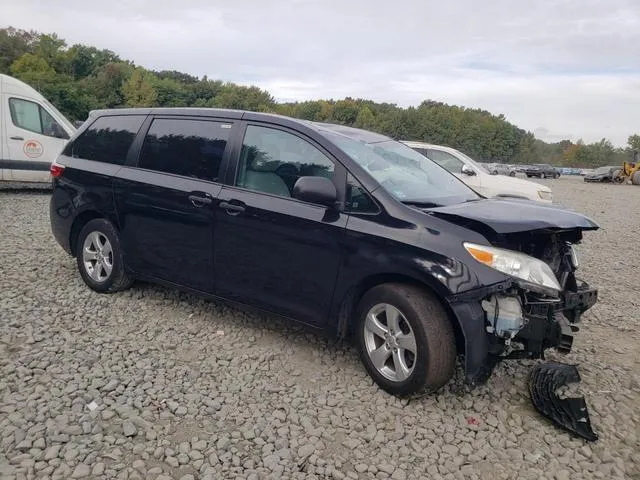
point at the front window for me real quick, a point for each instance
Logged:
(404, 173)
(272, 161)
(32, 117)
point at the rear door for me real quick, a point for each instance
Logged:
(273, 251)
(33, 139)
(165, 199)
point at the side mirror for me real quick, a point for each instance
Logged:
(78, 123)
(319, 190)
(467, 170)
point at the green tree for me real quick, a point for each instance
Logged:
(13, 44)
(138, 90)
(365, 118)
(33, 69)
(633, 142)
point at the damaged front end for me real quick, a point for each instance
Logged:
(518, 319)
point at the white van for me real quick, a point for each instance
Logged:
(478, 178)
(32, 132)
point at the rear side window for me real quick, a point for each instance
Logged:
(108, 139)
(190, 148)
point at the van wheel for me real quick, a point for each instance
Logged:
(99, 257)
(405, 339)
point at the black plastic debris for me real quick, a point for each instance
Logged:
(569, 413)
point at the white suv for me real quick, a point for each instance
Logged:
(478, 178)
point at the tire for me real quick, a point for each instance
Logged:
(635, 178)
(421, 316)
(99, 245)
(512, 174)
(616, 176)
(528, 176)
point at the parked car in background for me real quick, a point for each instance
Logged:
(345, 230)
(542, 170)
(501, 169)
(602, 174)
(32, 132)
(478, 178)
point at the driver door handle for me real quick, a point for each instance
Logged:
(200, 200)
(16, 138)
(232, 208)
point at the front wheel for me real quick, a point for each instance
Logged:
(405, 339)
(99, 257)
(512, 174)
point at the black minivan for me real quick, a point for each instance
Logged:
(342, 229)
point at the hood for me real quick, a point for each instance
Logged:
(511, 216)
(517, 184)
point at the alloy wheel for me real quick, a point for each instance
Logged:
(97, 256)
(390, 342)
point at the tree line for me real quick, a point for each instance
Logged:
(80, 78)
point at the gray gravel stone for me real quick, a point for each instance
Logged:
(129, 429)
(234, 394)
(81, 471)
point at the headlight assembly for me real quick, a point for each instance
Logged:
(516, 264)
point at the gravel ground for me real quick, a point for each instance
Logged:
(152, 383)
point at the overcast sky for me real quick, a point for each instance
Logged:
(559, 68)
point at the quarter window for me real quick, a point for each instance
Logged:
(272, 161)
(31, 116)
(190, 148)
(358, 199)
(107, 139)
(446, 160)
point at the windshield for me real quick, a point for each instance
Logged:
(603, 170)
(404, 173)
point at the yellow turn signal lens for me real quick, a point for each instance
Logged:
(481, 255)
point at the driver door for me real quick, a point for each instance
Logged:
(271, 250)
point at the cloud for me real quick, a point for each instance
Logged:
(556, 67)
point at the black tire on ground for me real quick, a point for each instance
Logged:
(435, 357)
(118, 279)
(529, 176)
(635, 178)
(512, 174)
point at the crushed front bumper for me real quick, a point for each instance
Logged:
(549, 323)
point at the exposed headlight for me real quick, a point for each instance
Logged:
(516, 264)
(545, 195)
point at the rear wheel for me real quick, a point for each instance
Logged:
(635, 179)
(99, 257)
(512, 174)
(405, 339)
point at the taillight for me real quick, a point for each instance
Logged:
(56, 170)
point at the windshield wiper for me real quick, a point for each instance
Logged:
(423, 204)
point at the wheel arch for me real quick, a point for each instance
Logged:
(349, 303)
